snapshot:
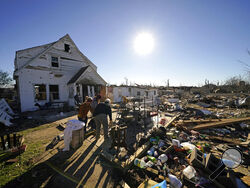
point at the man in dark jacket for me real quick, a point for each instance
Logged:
(100, 116)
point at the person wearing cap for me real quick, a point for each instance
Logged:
(83, 112)
(100, 117)
(95, 102)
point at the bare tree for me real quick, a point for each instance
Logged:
(246, 67)
(5, 79)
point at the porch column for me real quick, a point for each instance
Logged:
(74, 88)
(47, 93)
(93, 91)
(81, 95)
(89, 94)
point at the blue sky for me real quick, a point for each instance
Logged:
(194, 39)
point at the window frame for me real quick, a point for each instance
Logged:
(51, 61)
(66, 46)
(40, 92)
(51, 94)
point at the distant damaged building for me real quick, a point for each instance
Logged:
(55, 73)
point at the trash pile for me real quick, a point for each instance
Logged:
(184, 156)
(189, 158)
(190, 141)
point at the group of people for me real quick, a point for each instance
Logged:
(99, 110)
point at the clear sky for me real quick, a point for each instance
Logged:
(194, 39)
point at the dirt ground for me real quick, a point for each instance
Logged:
(52, 167)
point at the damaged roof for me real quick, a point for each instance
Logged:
(78, 74)
(48, 47)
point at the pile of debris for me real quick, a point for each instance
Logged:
(187, 157)
(184, 145)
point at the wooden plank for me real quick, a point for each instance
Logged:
(14, 140)
(9, 142)
(225, 139)
(246, 180)
(64, 174)
(151, 170)
(3, 143)
(198, 121)
(171, 121)
(138, 153)
(229, 140)
(147, 184)
(220, 123)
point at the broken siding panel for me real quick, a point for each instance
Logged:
(24, 56)
(28, 78)
(73, 53)
(43, 62)
(71, 65)
(90, 77)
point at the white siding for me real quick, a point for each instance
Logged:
(40, 71)
(27, 80)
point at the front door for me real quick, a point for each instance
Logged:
(84, 91)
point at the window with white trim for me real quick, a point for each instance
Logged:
(66, 47)
(40, 92)
(54, 61)
(54, 92)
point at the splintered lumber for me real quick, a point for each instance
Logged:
(128, 163)
(246, 180)
(147, 184)
(64, 174)
(229, 140)
(221, 123)
(191, 121)
(172, 120)
(156, 173)
(138, 153)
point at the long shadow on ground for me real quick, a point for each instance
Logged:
(67, 169)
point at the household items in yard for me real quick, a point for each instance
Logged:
(73, 125)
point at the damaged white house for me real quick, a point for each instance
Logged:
(55, 73)
(117, 92)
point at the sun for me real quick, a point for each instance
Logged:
(144, 43)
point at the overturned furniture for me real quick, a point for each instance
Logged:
(118, 136)
(6, 113)
(11, 145)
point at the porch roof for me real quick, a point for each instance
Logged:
(77, 75)
(87, 75)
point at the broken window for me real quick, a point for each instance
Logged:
(54, 62)
(40, 92)
(66, 47)
(54, 92)
(138, 93)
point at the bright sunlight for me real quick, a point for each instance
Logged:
(144, 43)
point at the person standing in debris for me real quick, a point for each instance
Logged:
(86, 98)
(100, 117)
(83, 112)
(95, 102)
(77, 100)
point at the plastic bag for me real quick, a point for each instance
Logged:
(163, 184)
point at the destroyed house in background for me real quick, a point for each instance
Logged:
(55, 73)
(115, 93)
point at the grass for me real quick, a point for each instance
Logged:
(9, 172)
